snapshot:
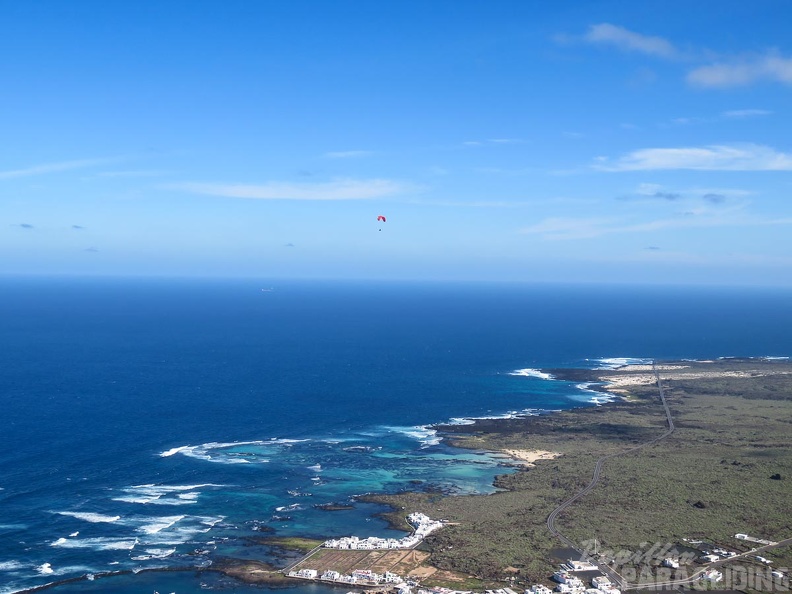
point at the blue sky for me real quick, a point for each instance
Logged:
(506, 140)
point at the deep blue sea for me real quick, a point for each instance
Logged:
(160, 423)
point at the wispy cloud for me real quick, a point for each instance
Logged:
(341, 189)
(771, 67)
(53, 168)
(713, 71)
(347, 154)
(745, 113)
(656, 191)
(571, 227)
(734, 114)
(736, 157)
(586, 228)
(630, 41)
(491, 141)
(716, 196)
(141, 173)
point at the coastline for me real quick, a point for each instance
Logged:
(502, 536)
(709, 398)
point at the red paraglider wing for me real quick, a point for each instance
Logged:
(381, 218)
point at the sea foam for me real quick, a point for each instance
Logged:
(426, 435)
(162, 494)
(90, 517)
(223, 452)
(156, 525)
(616, 362)
(99, 543)
(528, 372)
(595, 396)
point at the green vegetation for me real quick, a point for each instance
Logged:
(291, 543)
(726, 469)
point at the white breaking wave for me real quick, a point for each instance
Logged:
(162, 494)
(424, 434)
(159, 524)
(218, 451)
(596, 396)
(292, 507)
(99, 543)
(154, 554)
(616, 362)
(173, 530)
(460, 421)
(173, 451)
(161, 553)
(512, 414)
(45, 569)
(90, 517)
(11, 565)
(528, 372)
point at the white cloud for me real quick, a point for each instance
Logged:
(745, 113)
(53, 167)
(737, 157)
(586, 228)
(491, 141)
(570, 228)
(346, 154)
(341, 189)
(140, 173)
(627, 40)
(770, 67)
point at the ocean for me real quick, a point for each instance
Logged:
(152, 423)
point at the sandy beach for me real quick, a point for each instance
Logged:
(529, 457)
(636, 375)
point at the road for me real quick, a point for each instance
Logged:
(551, 519)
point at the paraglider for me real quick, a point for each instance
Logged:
(381, 219)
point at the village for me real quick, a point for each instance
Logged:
(572, 577)
(422, 526)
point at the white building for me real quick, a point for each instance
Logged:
(393, 578)
(561, 577)
(712, 575)
(538, 589)
(599, 582)
(421, 523)
(670, 562)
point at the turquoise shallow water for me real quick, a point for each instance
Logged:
(160, 423)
